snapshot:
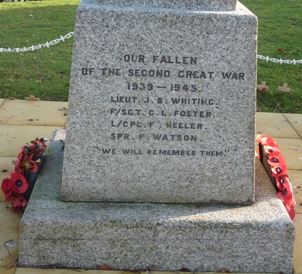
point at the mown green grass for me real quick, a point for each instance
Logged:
(280, 26)
(45, 73)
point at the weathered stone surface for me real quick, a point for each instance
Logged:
(219, 5)
(162, 105)
(256, 238)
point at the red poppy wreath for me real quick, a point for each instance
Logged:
(17, 189)
(269, 153)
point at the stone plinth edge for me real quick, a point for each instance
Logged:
(214, 5)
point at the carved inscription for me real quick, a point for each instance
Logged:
(174, 111)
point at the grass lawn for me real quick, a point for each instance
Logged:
(45, 73)
(279, 27)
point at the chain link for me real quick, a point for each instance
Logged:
(41, 46)
(70, 34)
(274, 60)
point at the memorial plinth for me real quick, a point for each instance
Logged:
(257, 238)
(162, 103)
(159, 166)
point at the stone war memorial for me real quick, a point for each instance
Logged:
(158, 170)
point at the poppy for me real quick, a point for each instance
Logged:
(4, 186)
(271, 148)
(282, 182)
(269, 144)
(290, 208)
(18, 183)
(286, 196)
(262, 138)
(275, 158)
(9, 195)
(20, 202)
(266, 140)
(279, 170)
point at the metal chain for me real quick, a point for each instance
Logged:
(274, 60)
(46, 45)
(70, 34)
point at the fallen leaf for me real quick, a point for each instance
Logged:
(282, 51)
(106, 267)
(263, 90)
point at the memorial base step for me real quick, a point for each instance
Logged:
(197, 237)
